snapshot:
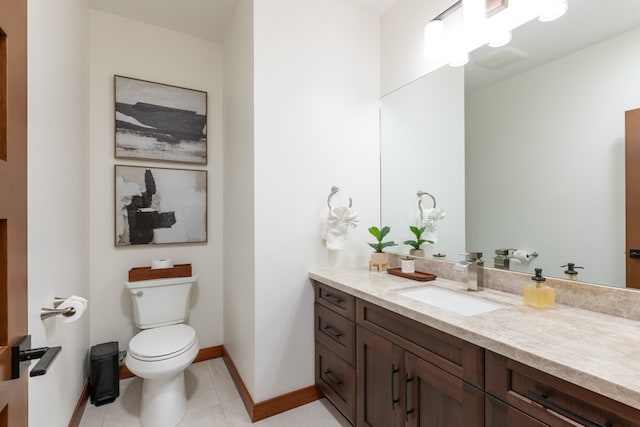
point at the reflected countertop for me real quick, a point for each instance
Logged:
(597, 351)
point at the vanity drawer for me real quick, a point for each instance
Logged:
(335, 300)
(336, 333)
(552, 400)
(337, 381)
(499, 414)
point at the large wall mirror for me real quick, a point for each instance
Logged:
(524, 147)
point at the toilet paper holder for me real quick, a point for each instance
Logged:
(45, 312)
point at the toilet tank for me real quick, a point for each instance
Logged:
(161, 302)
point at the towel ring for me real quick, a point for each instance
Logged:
(334, 190)
(420, 194)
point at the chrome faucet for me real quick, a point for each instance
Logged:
(475, 271)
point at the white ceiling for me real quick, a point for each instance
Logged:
(206, 19)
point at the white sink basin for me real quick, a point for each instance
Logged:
(451, 301)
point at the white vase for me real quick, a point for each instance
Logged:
(407, 265)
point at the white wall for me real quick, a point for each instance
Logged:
(239, 248)
(58, 196)
(552, 141)
(402, 41)
(135, 49)
(316, 125)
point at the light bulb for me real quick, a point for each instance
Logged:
(459, 58)
(552, 9)
(433, 38)
(498, 38)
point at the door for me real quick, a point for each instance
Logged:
(435, 398)
(13, 205)
(380, 368)
(632, 189)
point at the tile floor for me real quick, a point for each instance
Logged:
(212, 401)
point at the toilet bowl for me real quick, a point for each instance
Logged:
(165, 347)
(159, 356)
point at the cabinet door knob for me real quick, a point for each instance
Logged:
(407, 411)
(332, 378)
(394, 371)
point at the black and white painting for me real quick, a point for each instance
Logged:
(160, 122)
(158, 205)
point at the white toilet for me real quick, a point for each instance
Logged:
(164, 348)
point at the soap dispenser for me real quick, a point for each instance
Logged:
(571, 273)
(538, 294)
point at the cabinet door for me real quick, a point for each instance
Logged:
(435, 398)
(380, 367)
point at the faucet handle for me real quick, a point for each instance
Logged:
(473, 256)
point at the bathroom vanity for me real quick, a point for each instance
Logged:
(385, 359)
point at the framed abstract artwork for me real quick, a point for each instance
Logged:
(159, 122)
(160, 205)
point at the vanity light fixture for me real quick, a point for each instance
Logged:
(433, 38)
(551, 10)
(499, 37)
(459, 58)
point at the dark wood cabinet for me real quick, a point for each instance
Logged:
(379, 380)
(383, 369)
(551, 400)
(409, 374)
(335, 334)
(435, 398)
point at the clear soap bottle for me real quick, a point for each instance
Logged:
(538, 294)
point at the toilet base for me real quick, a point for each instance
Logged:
(164, 401)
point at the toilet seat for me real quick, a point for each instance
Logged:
(166, 342)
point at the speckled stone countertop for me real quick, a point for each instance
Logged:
(597, 351)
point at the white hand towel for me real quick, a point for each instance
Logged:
(429, 220)
(336, 229)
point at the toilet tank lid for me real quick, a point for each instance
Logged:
(160, 282)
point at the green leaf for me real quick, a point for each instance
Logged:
(384, 232)
(417, 231)
(375, 231)
(387, 244)
(375, 246)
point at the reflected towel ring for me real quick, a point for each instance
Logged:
(420, 194)
(334, 190)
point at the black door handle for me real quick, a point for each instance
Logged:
(634, 253)
(22, 355)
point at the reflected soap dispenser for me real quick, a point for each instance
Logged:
(539, 295)
(571, 273)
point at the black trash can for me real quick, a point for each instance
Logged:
(104, 379)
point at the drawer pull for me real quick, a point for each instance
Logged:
(407, 411)
(332, 332)
(394, 371)
(543, 400)
(332, 378)
(333, 299)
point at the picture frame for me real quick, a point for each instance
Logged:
(160, 205)
(155, 121)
